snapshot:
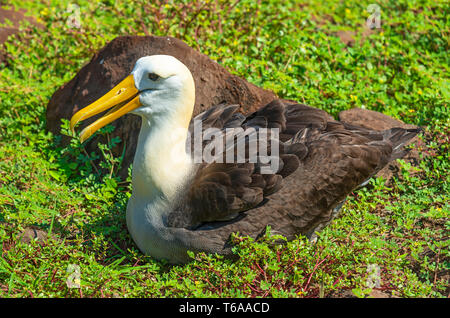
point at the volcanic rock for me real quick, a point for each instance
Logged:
(30, 234)
(371, 119)
(14, 18)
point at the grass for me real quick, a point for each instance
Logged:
(397, 229)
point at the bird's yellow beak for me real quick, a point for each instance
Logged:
(124, 96)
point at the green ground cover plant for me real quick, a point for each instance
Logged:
(390, 237)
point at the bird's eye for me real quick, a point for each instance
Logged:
(153, 76)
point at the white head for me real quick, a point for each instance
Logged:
(160, 89)
(166, 88)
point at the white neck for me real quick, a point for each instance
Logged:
(160, 169)
(161, 164)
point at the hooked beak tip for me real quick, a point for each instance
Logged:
(125, 92)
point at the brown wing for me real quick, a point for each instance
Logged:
(321, 161)
(219, 190)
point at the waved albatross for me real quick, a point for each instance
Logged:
(179, 203)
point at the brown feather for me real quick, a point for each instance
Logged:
(321, 162)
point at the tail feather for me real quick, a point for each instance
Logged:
(399, 137)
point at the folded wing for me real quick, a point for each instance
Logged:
(319, 162)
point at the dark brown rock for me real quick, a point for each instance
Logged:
(348, 37)
(14, 17)
(5, 32)
(111, 64)
(371, 119)
(378, 121)
(30, 234)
